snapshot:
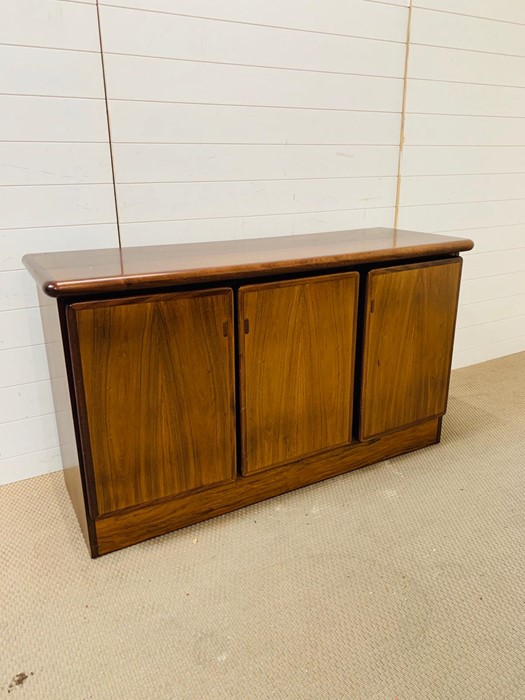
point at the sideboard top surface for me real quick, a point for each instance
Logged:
(115, 270)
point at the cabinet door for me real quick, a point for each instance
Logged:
(409, 331)
(297, 343)
(155, 384)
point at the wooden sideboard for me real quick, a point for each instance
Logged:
(190, 380)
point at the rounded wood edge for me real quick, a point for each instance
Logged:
(153, 281)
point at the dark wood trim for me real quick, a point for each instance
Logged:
(76, 478)
(127, 528)
(152, 267)
(440, 425)
(77, 385)
(376, 272)
(149, 298)
(59, 360)
(295, 281)
(460, 259)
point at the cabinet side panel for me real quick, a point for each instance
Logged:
(57, 349)
(410, 318)
(158, 391)
(297, 341)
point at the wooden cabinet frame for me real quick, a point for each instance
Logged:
(416, 384)
(204, 329)
(99, 352)
(299, 408)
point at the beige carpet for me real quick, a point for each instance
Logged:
(402, 580)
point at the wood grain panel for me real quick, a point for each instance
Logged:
(409, 330)
(123, 529)
(158, 394)
(55, 333)
(297, 342)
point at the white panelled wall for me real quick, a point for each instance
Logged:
(254, 118)
(56, 193)
(262, 118)
(463, 161)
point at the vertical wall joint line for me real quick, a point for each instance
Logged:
(403, 111)
(109, 125)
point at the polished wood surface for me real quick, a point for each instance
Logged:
(149, 267)
(409, 331)
(186, 402)
(57, 350)
(135, 525)
(296, 340)
(157, 390)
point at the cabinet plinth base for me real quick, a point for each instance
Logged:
(135, 525)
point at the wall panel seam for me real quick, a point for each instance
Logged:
(403, 119)
(50, 48)
(464, 14)
(250, 65)
(20, 420)
(453, 204)
(54, 97)
(254, 216)
(464, 48)
(64, 184)
(486, 301)
(46, 449)
(251, 24)
(499, 274)
(470, 116)
(232, 143)
(476, 228)
(464, 82)
(253, 106)
(248, 179)
(77, 225)
(493, 320)
(108, 121)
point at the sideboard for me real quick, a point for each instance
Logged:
(194, 379)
